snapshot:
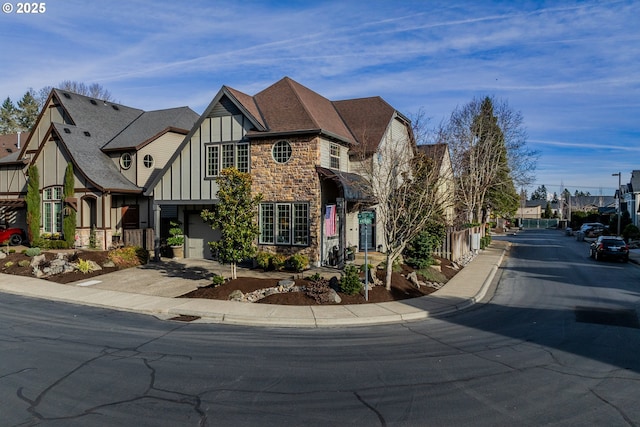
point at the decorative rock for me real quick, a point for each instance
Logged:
(286, 283)
(2, 255)
(37, 260)
(334, 297)
(236, 295)
(108, 264)
(413, 278)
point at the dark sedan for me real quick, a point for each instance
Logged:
(609, 247)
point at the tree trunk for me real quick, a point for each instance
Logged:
(234, 271)
(389, 270)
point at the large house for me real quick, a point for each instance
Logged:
(630, 196)
(115, 152)
(306, 155)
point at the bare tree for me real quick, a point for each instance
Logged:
(404, 188)
(489, 152)
(94, 90)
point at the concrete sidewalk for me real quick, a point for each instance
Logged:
(152, 290)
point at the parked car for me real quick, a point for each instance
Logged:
(592, 229)
(609, 247)
(15, 236)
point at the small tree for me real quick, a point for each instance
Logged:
(33, 204)
(69, 220)
(234, 216)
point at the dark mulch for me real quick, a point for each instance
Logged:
(401, 289)
(9, 265)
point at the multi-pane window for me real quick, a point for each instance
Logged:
(281, 151)
(148, 161)
(334, 156)
(222, 156)
(125, 161)
(284, 223)
(52, 209)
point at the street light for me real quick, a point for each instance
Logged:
(619, 175)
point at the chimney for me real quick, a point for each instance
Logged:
(18, 140)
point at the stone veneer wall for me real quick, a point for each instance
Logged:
(294, 181)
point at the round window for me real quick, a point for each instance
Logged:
(125, 161)
(281, 151)
(148, 161)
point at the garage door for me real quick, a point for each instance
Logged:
(199, 233)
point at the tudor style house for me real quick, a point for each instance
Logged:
(305, 154)
(115, 152)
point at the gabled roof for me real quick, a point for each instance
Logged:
(12, 143)
(249, 105)
(287, 106)
(635, 181)
(151, 124)
(367, 119)
(89, 161)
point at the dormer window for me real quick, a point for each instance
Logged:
(125, 161)
(281, 151)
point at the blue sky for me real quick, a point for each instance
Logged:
(571, 68)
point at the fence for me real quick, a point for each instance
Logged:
(459, 243)
(540, 223)
(139, 237)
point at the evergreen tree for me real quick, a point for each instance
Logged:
(33, 205)
(8, 117)
(540, 193)
(27, 111)
(69, 220)
(234, 216)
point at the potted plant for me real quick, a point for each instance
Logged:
(176, 239)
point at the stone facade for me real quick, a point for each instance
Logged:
(294, 181)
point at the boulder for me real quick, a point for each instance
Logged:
(236, 295)
(37, 260)
(286, 284)
(2, 255)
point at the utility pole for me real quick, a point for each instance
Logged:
(619, 175)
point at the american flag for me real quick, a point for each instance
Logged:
(330, 220)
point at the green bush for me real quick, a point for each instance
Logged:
(277, 261)
(8, 264)
(298, 262)
(485, 241)
(31, 252)
(350, 283)
(83, 266)
(263, 259)
(24, 263)
(129, 256)
(314, 277)
(54, 244)
(419, 252)
(631, 232)
(217, 280)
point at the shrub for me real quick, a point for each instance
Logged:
(631, 232)
(24, 263)
(277, 261)
(350, 283)
(298, 262)
(263, 259)
(485, 241)
(31, 252)
(315, 277)
(8, 264)
(217, 280)
(54, 244)
(419, 252)
(129, 256)
(83, 266)
(176, 233)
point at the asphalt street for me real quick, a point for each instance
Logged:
(557, 344)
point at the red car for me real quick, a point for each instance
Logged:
(15, 236)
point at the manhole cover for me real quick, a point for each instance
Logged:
(626, 318)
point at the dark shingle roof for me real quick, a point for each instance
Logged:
(436, 152)
(287, 106)
(9, 143)
(151, 124)
(88, 160)
(367, 118)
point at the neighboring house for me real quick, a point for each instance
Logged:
(532, 209)
(11, 143)
(441, 157)
(115, 151)
(630, 196)
(302, 151)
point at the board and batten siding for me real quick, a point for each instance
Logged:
(13, 179)
(185, 179)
